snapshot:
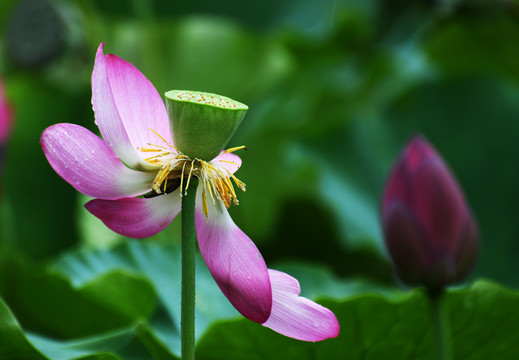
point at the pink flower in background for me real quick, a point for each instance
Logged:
(118, 171)
(6, 115)
(6, 119)
(429, 230)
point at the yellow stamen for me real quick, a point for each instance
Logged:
(229, 162)
(235, 149)
(238, 182)
(189, 177)
(182, 179)
(159, 179)
(216, 181)
(161, 138)
(204, 205)
(208, 185)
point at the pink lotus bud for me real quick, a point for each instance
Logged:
(428, 228)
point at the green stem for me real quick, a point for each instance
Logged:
(187, 321)
(441, 325)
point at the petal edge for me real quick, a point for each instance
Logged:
(295, 316)
(85, 161)
(137, 217)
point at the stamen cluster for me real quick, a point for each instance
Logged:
(215, 179)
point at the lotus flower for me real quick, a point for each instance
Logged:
(137, 176)
(429, 230)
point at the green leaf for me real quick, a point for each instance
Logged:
(135, 342)
(113, 300)
(375, 322)
(13, 343)
(483, 319)
(160, 265)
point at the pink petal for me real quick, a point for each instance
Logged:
(89, 165)
(126, 107)
(295, 316)
(229, 161)
(234, 261)
(137, 217)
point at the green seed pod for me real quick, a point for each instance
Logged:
(202, 123)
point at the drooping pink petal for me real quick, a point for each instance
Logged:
(128, 109)
(295, 316)
(137, 217)
(229, 161)
(89, 165)
(234, 261)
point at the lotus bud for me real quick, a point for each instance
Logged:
(429, 230)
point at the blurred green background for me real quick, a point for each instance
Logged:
(335, 89)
